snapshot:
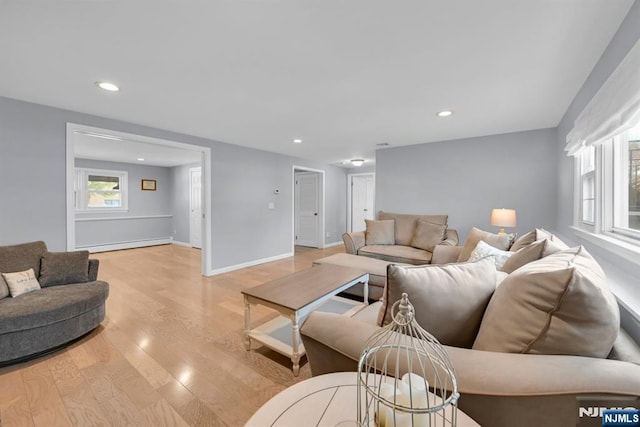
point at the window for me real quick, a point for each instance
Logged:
(614, 167)
(626, 152)
(100, 190)
(588, 185)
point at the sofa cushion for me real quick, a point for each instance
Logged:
(536, 235)
(20, 258)
(499, 241)
(63, 268)
(395, 253)
(483, 250)
(21, 282)
(50, 305)
(560, 304)
(449, 300)
(406, 224)
(428, 234)
(379, 232)
(530, 253)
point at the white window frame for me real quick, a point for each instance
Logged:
(81, 190)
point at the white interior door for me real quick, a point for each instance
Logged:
(195, 207)
(362, 200)
(306, 207)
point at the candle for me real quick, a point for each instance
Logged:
(412, 393)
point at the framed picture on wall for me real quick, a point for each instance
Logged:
(149, 184)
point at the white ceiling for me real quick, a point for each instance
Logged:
(342, 75)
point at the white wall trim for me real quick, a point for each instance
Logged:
(629, 251)
(123, 218)
(206, 161)
(331, 245)
(125, 245)
(177, 243)
(250, 263)
(293, 204)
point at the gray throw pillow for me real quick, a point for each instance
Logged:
(63, 268)
(380, 232)
(449, 300)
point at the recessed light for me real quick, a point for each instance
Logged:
(107, 86)
(140, 159)
(357, 162)
(297, 141)
(444, 113)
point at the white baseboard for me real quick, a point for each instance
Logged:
(125, 245)
(186, 245)
(248, 264)
(331, 245)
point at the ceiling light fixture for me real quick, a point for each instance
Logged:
(297, 141)
(444, 113)
(357, 162)
(140, 159)
(107, 86)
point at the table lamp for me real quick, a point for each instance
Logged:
(503, 218)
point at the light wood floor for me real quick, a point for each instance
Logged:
(170, 351)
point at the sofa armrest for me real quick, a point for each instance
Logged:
(353, 241)
(450, 238)
(445, 254)
(93, 269)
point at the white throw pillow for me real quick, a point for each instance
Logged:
(483, 249)
(21, 282)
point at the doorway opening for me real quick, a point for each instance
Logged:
(106, 145)
(308, 207)
(360, 200)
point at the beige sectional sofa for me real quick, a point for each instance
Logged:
(525, 343)
(401, 238)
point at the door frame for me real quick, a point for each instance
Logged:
(191, 170)
(349, 191)
(321, 196)
(206, 263)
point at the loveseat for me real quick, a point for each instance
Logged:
(401, 238)
(526, 344)
(64, 303)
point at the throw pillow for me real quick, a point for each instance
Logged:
(20, 258)
(379, 232)
(428, 235)
(62, 268)
(499, 241)
(449, 300)
(560, 304)
(4, 289)
(21, 282)
(484, 250)
(530, 253)
(536, 235)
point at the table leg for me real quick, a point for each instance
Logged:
(247, 323)
(365, 290)
(295, 335)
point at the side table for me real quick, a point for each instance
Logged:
(324, 400)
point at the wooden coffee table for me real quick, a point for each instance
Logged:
(294, 297)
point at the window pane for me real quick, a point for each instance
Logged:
(103, 192)
(634, 178)
(588, 198)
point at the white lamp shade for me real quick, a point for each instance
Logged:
(503, 217)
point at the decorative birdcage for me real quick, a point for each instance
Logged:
(405, 377)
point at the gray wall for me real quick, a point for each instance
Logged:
(32, 155)
(621, 273)
(467, 178)
(140, 204)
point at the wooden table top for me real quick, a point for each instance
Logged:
(303, 287)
